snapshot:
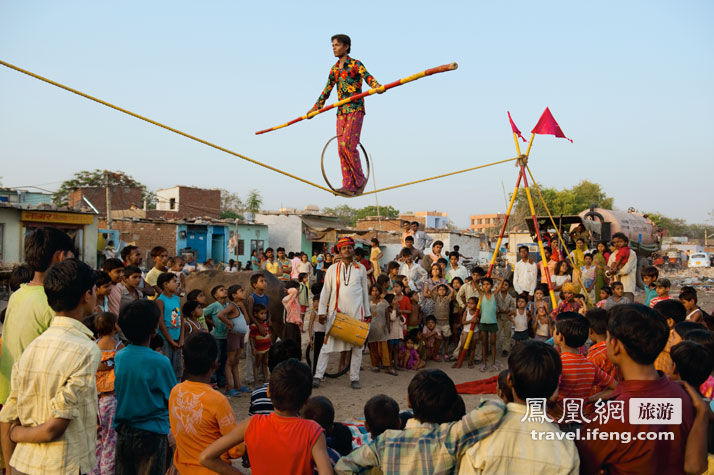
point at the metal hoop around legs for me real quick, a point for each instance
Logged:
(324, 175)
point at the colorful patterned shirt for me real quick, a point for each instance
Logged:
(349, 82)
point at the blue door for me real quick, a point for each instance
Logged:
(196, 239)
(218, 245)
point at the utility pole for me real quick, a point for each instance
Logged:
(109, 199)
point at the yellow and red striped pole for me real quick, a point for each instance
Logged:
(467, 343)
(439, 69)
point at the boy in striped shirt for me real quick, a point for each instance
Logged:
(597, 354)
(579, 375)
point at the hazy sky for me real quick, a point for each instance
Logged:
(629, 82)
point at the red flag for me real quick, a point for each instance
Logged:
(514, 128)
(548, 126)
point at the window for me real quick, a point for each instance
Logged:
(241, 247)
(256, 245)
(172, 203)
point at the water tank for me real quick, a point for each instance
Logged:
(634, 225)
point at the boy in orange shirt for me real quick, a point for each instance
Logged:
(199, 415)
(280, 442)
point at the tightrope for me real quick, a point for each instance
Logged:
(228, 151)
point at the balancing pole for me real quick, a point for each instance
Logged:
(439, 69)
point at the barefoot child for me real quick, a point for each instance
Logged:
(170, 327)
(377, 337)
(260, 341)
(469, 316)
(414, 321)
(394, 330)
(488, 326)
(432, 339)
(442, 306)
(521, 320)
(233, 317)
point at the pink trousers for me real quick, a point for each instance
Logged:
(349, 127)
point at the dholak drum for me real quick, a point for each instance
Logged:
(349, 329)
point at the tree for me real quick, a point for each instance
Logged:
(349, 215)
(679, 227)
(253, 202)
(231, 205)
(567, 201)
(96, 178)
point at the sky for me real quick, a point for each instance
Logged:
(629, 82)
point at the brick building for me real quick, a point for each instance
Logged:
(188, 202)
(123, 197)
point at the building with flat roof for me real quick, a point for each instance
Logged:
(487, 224)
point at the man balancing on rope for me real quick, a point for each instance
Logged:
(345, 291)
(348, 74)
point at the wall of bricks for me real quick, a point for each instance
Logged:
(198, 202)
(146, 235)
(123, 197)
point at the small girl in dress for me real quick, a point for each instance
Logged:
(409, 355)
(521, 319)
(105, 324)
(470, 314)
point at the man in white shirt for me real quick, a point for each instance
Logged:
(421, 239)
(416, 275)
(432, 257)
(525, 273)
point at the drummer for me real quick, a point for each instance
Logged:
(346, 291)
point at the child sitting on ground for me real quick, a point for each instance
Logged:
(280, 442)
(199, 415)
(51, 411)
(662, 286)
(431, 442)
(143, 383)
(605, 294)
(260, 341)
(321, 410)
(534, 368)
(432, 339)
(105, 326)
(409, 355)
(381, 413)
(503, 391)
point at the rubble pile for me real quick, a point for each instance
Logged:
(701, 278)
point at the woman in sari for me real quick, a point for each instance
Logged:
(578, 257)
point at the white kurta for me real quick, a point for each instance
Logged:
(353, 300)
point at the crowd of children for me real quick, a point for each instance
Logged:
(96, 377)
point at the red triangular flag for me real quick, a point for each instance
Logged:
(548, 126)
(514, 128)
